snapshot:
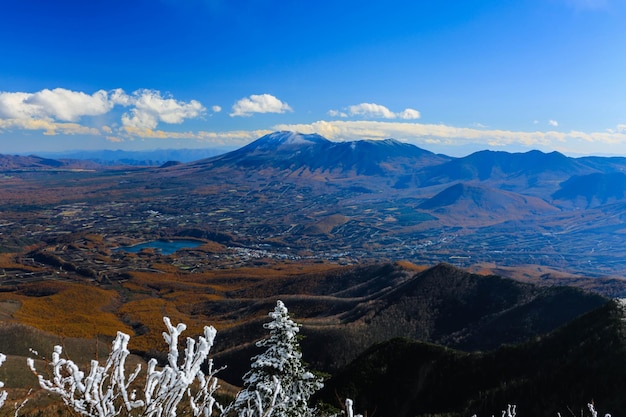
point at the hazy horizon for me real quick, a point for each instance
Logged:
(455, 152)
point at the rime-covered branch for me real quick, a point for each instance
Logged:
(593, 411)
(203, 402)
(165, 388)
(105, 391)
(510, 411)
(3, 394)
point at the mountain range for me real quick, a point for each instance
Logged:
(383, 200)
(533, 173)
(32, 162)
(566, 212)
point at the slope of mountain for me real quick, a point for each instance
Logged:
(32, 162)
(476, 204)
(604, 163)
(592, 190)
(346, 311)
(584, 361)
(532, 172)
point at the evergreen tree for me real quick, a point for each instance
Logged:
(278, 383)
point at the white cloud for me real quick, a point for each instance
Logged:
(150, 109)
(58, 112)
(337, 113)
(409, 114)
(263, 103)
(58, 104)
(12, 106)
(67, 105)
(373, 110)
(119, 97)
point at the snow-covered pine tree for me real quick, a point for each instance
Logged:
(278, 383)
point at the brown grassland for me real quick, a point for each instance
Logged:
(67, 309)
(137, 306)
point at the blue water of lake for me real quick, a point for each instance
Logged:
(166, 247)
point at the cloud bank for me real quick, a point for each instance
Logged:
(451, 136)
(140, 113)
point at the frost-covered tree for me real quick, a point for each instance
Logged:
(278, 382)
(106, 391)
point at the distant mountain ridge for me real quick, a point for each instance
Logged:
(138, 158)
(533, 172)
(594, 189)
(32, 162)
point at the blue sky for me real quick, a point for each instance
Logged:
(448, 76)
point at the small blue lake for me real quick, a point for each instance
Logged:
(166, 247)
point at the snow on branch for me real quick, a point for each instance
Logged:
(3, 394)
(100, 393)
(349, 411)
(106, 391)
(593, 411)
(165, 388)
